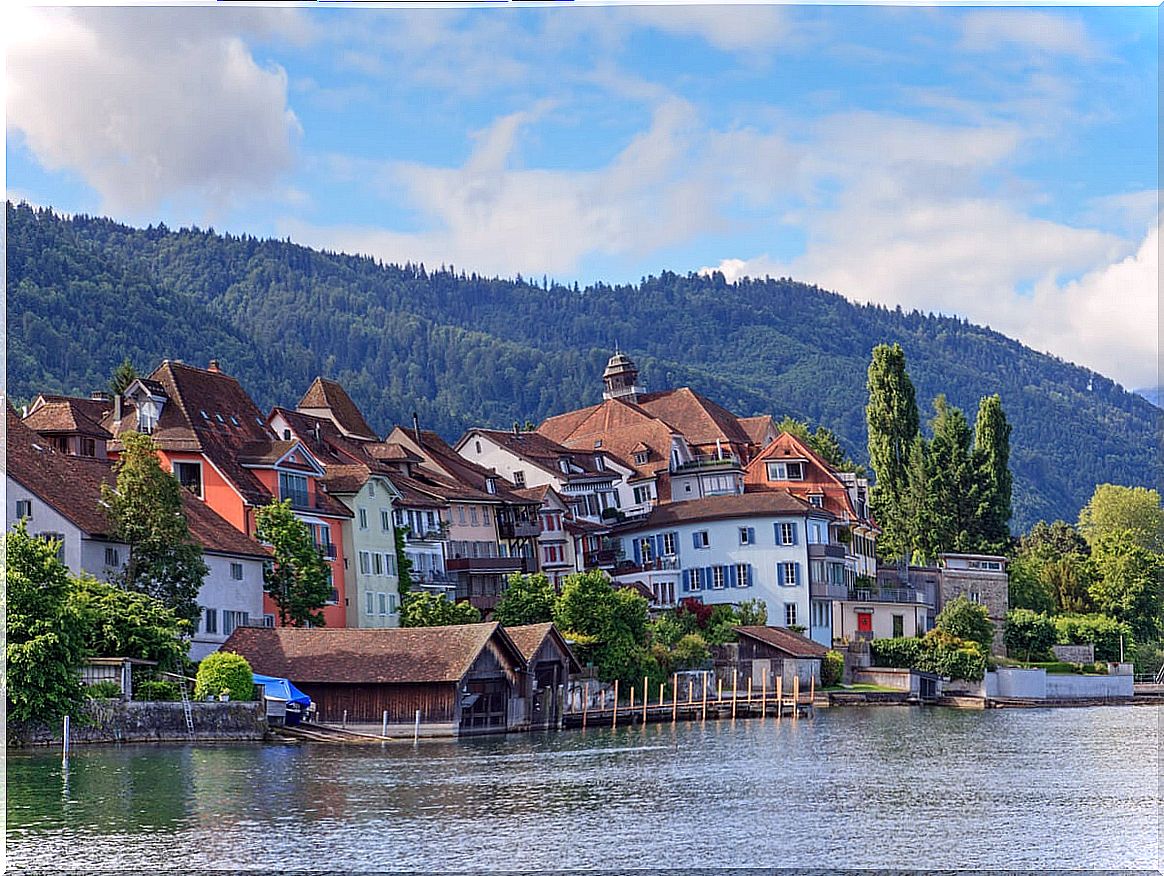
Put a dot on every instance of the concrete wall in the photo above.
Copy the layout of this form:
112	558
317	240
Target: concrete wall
1023	683
1085	687
898	679
118	721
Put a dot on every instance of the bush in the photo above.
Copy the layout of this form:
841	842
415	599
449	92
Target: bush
967	620
224	672
103	690
896	653
1148	657
832	669
1029	634
691	652
937	652
157	691
1098	629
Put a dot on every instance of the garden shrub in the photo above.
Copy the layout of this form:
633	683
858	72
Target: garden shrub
1098	629
936	652
832	668
224	672
896	653
103	690
1028	634
157	691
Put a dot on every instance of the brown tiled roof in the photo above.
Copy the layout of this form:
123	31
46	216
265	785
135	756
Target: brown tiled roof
581	526
535	494
820	477
72	486
370	656
529	638
269	452
329	395
793	644
700	419
622	427
392	451
758	428
414	493
346	479
64	415
724	507
456	477
546	453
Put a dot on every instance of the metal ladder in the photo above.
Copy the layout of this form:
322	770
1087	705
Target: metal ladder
1160	676
187	711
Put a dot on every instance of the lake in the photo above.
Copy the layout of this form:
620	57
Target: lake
852	787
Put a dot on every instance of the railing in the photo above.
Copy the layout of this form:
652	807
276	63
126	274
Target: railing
486	564
518	529
728	460
833	551
658	564
327	551
827	590
889	594
601	558
434	534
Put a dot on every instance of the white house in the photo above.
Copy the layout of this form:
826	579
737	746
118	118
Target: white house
731	548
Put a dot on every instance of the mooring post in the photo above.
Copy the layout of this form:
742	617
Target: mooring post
614	714
796	696
416	728
345	721
632	704
645	698
749	692
764	695
779	697
384	724
735	684
65	734
674	697
703	714
585	702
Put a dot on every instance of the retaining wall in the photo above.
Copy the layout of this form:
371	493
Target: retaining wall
119	721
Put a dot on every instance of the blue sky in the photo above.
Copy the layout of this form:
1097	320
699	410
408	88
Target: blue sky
995	162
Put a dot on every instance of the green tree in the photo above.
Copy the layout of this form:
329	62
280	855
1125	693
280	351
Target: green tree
1127	583
1029	633
1050	540
403	564
691	652
992	476
424	609
614	622
1108	635
952	487
919	526
892	419
1028	587
586	604
297	577
528	599
1069	578
752	613
224	672
119	623
145	512
1134	510
966	620
123	375
45	644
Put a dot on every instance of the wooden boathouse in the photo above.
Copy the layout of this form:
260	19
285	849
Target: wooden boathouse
462	679
551	663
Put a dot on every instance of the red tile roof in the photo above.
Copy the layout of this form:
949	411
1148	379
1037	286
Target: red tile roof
64	415
701	420
818	478
369	656
793	644
530	637
329	395
768	502
546	453
622	428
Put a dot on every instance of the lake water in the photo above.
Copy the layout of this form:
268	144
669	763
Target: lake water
854	787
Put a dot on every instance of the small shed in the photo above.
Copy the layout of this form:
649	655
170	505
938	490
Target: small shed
551	663
119	670
780	653
461	679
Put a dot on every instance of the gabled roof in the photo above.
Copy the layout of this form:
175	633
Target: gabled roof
622	427
545	453
369	656
759	504
793	644
820	477
72	487
700	419
457	477
529	639
759	428
331	396
51	415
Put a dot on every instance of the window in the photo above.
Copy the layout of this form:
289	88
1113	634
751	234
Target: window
645	549
697	579
747	535
59	538
787	574
816	532
23	509
668	544
383	603
146	419
790	614
717	577
293	487
786	471
743	575
363	512
898	626
392	603
385	520
334	598
491	485
701	539
642	494
461	514
642	456
236	571
370	602
189	475
268	620
473	515
975	597
787	533
88	447
564	466
816	500
112	558
233	619
365	563
599	463
210	620
519	478
377	564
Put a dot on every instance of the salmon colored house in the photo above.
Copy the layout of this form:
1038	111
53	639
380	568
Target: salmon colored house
215	440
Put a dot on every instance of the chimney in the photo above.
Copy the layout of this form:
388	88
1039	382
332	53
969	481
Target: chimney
117	410
516	430
416	428
100	395
213	366
318	435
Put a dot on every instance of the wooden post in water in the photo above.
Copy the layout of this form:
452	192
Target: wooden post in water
662	684
703	715
749	691
812	689
764	695
345	725
602	703
384	723
632	704
779	697
416	729
796	696
614	716
585	702
690	684
65	736
674	697
645	699
735	684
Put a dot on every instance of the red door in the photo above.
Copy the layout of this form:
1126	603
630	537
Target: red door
864	622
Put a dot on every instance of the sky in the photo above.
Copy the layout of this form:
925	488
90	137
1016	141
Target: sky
997	163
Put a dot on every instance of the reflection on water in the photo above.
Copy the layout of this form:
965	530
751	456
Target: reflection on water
850	788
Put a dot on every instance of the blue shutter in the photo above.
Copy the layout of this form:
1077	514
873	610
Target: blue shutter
776	532
638	551
695	539
708	582
748	569
686	580
733	576
795	529
659	545
751	535
796	572
780	573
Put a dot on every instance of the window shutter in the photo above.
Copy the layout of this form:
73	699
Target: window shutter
796	572
686	580
708	581
695	539
748	569
733	576
638	551
751	535
776	532
795	528
658	545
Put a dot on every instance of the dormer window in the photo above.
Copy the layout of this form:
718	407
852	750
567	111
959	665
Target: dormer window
642	456
147	419
204	416
599	463
564	465
597	443
816	500
490	485
786	471
519	478
286	434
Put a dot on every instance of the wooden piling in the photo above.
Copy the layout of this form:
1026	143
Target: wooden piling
632	702
703	714
812	689
662	685
749	692
674	697
764	695
585	702
645	699
779	697
614	714
796	696
735	685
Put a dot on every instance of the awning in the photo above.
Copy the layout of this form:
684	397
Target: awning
282	689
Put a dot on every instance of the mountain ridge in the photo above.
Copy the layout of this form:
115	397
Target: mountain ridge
463	350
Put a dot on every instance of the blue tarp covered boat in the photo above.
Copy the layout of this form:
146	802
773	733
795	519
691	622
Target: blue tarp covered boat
285	696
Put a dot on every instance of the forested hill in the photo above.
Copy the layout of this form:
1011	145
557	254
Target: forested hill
461	350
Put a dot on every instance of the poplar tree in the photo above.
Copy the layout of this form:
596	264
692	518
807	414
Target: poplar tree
892	419
145	512
992	469
954	489
918	506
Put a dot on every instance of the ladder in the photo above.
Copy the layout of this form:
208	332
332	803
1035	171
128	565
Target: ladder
1160	676
186	710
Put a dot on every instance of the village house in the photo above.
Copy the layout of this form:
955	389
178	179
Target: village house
550	663
214	439
556	548
58	496
454	681
763	654
728	549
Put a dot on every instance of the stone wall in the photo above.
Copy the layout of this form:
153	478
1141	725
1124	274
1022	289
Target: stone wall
118	721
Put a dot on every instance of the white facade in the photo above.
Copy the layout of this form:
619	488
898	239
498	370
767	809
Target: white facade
80	552
371	577
729	561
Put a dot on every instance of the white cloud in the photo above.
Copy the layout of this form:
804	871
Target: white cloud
152	105
730	27
1005	30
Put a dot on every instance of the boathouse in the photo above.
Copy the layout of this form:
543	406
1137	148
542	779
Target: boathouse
777	653
551	663
461	679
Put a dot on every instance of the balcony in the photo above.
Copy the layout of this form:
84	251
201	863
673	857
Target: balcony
601	558
502	565
518	529
827	590
888	594
436	533
826	551
700	463
327	551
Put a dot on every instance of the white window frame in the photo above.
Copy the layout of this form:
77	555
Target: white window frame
184	462
668	544
787	533
365	563
718	577
236	567
385	520
787	575
26	506
112	558
706	539
745	538
697	579
369	602
790	614
377	563
647	550
363	517
742	575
